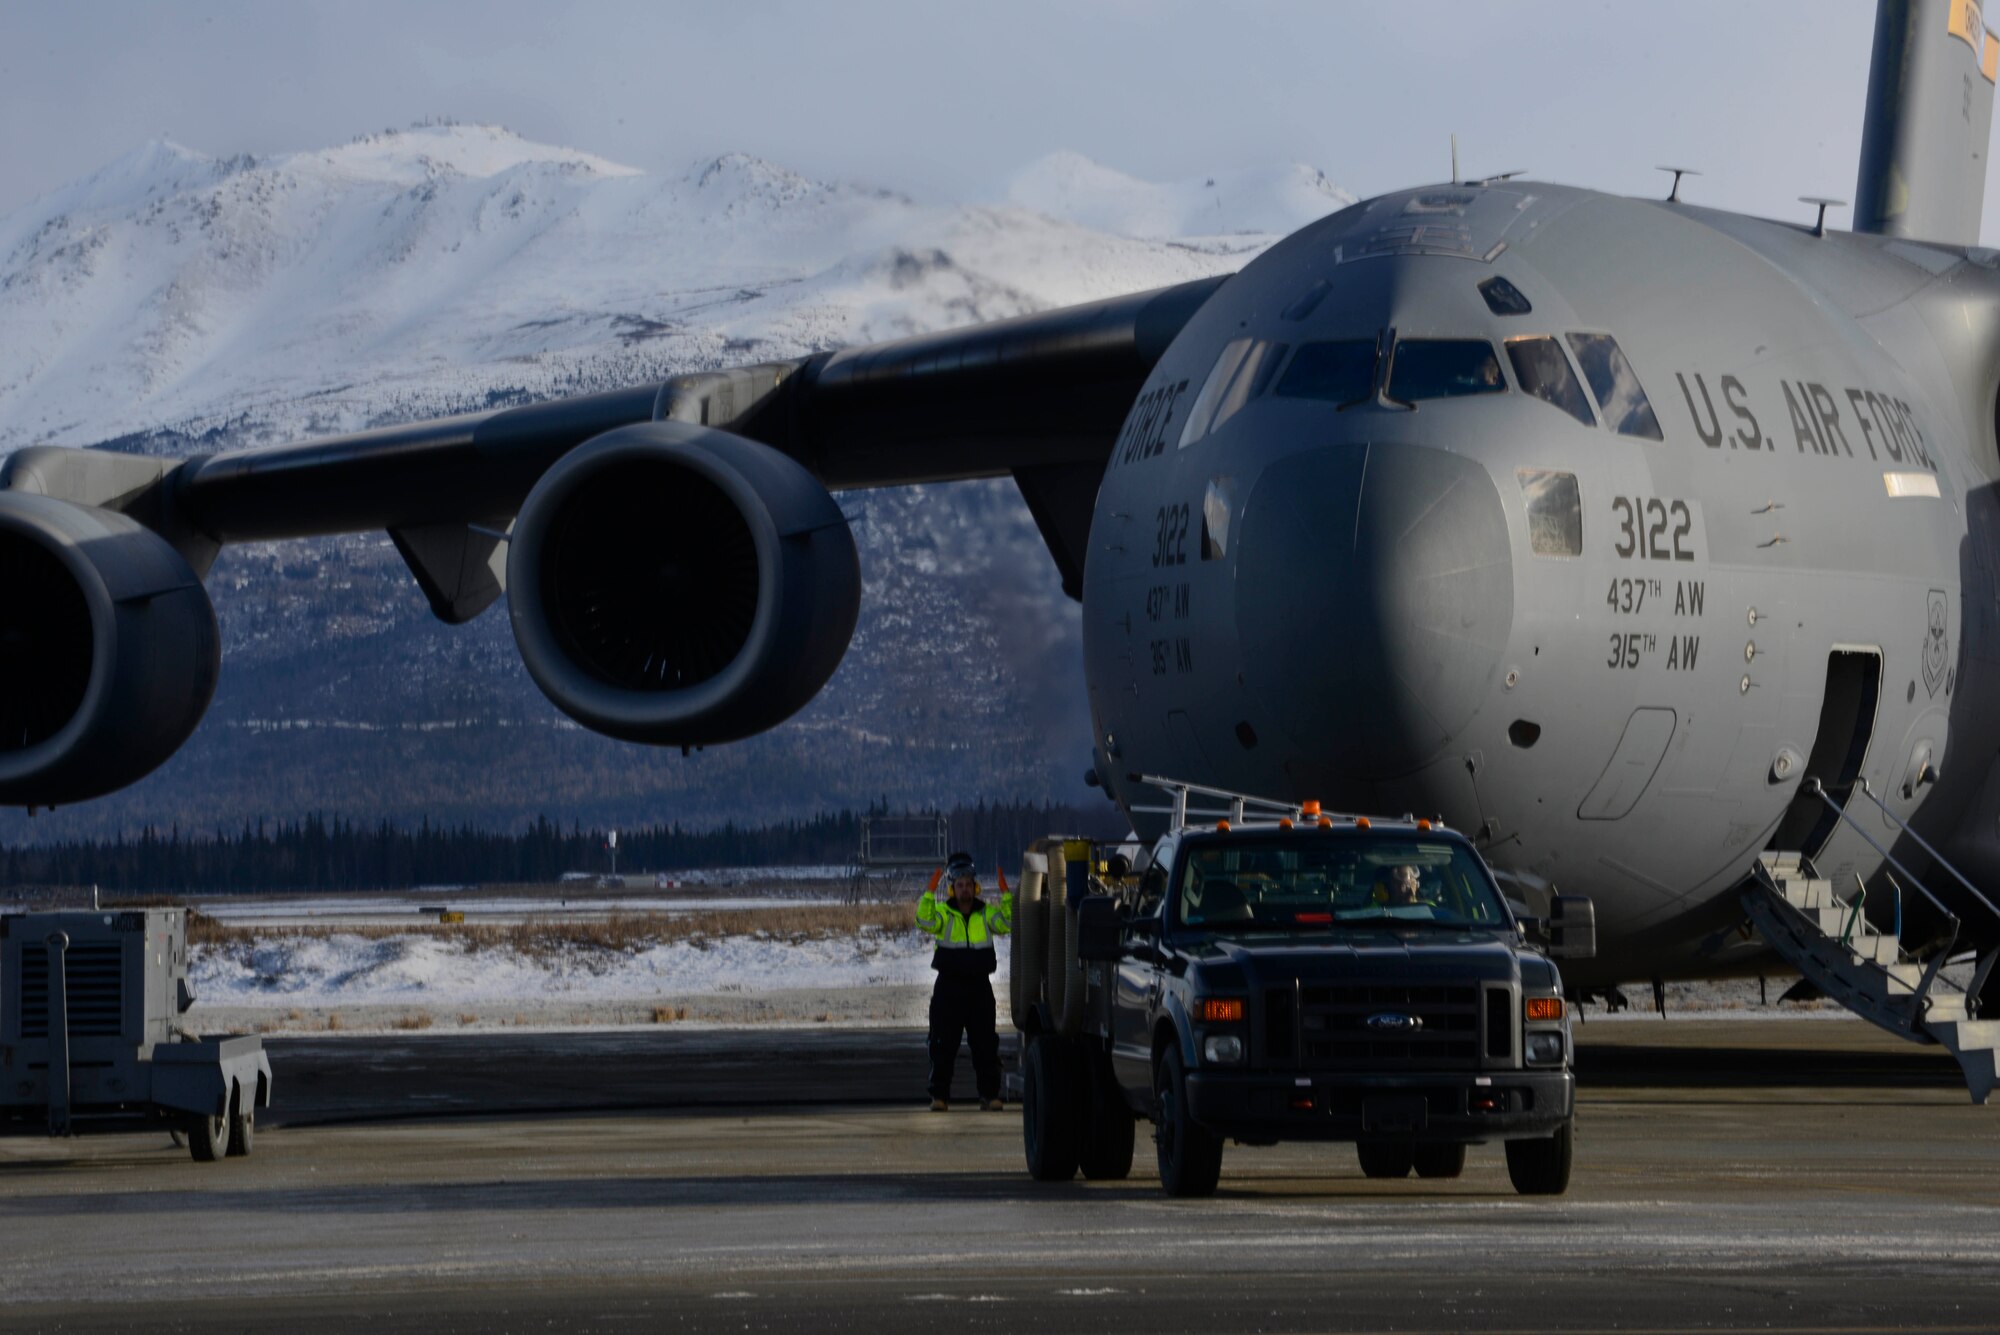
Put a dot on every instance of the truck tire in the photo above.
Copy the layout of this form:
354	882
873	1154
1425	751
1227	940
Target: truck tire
1064	980
1385	1158
1024	961
1439	1160
1541	1167
208	1138
1050	1130
1106	1152
1190	1155
242	1124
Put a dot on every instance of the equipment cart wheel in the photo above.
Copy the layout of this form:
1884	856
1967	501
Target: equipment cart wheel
1541	1167
1049	1109
1439	1160
208	1138
1380	1158
1190	1155
1106	1152
242	1124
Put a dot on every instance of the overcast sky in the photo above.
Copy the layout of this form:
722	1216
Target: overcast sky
947	100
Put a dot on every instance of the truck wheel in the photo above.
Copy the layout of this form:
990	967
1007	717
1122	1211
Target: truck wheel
1439	1160
242	1125
1106	1152
208	1138
1190	1155
1049	1114
1385	1158
1541	1167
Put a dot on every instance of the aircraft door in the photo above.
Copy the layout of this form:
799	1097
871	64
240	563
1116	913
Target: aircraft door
1839	751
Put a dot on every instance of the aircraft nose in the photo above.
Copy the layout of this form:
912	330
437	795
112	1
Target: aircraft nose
1375	595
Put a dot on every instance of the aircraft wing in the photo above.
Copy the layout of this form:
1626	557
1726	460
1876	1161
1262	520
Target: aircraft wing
1041	397
679	574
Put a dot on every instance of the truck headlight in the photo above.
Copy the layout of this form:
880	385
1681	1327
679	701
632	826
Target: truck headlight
1222	1049
1545	1048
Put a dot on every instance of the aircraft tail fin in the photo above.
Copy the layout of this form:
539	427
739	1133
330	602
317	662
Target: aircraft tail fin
1930	113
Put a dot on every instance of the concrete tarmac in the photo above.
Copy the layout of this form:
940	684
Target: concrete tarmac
1801	1175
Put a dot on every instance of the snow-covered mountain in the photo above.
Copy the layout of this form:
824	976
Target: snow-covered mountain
1257	201
174	301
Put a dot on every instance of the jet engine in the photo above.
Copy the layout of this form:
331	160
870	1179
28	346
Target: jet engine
108	650
679	585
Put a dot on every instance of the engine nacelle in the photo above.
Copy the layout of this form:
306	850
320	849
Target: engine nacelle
108	650
679	585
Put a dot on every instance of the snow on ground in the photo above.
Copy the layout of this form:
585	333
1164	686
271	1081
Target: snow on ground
444	971
487	910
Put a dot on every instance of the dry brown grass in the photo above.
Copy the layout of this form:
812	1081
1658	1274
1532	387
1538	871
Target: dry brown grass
333	1020
669	1014
420	1020
623	932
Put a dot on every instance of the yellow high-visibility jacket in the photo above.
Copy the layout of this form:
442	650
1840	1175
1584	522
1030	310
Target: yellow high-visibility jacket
965	940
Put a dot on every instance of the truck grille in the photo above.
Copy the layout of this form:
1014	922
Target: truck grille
94	974
1334	1031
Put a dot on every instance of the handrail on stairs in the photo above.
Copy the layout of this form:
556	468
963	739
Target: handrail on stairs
1924	844
1984	968
1921	999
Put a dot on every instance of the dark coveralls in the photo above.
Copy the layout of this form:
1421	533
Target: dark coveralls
962	999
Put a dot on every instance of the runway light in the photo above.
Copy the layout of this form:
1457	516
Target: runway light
1545	1008
1221	1010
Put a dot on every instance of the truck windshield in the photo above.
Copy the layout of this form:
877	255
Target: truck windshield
1319	880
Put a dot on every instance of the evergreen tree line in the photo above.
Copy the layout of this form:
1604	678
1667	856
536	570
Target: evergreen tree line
320	854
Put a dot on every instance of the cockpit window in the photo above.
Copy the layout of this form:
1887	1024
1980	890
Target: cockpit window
1342	372
1624	404
1443	368
1543	371
1555	512
1503	298
1240	375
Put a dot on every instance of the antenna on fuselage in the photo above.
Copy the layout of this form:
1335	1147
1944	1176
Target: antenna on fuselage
1819	223
1674	195
1454	159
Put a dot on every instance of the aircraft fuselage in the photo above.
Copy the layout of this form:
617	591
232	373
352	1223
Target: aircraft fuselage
1606	603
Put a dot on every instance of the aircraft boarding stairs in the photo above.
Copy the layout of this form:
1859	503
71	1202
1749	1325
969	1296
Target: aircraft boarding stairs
1829	940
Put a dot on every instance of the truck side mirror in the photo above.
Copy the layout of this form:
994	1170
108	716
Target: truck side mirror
1572	927
1098	928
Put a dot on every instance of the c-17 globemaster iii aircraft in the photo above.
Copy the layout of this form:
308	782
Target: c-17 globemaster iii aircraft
1653	545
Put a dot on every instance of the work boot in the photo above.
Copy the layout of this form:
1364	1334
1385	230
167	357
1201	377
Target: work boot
990	1105
939	1105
